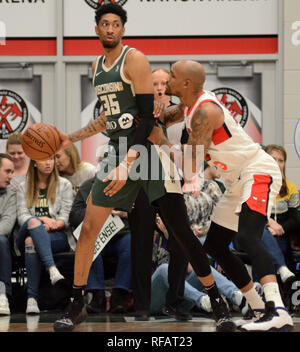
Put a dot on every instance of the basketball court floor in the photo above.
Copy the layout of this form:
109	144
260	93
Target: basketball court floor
115	323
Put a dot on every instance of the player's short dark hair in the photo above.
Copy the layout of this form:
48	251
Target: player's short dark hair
111	8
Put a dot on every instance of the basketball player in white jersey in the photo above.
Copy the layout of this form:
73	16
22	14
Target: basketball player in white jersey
252	180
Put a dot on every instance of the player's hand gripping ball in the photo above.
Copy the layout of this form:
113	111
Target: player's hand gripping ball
40	141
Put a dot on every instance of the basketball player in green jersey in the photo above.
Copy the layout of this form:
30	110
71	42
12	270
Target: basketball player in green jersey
123	83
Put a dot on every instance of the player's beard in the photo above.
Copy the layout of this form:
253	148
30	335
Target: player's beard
110	45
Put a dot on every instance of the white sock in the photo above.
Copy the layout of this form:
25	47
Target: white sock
55	275
272	293
205	303
285	273
238	297
254	299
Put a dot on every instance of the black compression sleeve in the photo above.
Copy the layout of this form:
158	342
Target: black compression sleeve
145	104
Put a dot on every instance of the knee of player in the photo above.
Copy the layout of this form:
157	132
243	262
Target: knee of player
88	231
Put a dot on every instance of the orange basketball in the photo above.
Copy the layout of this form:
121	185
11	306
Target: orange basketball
40	141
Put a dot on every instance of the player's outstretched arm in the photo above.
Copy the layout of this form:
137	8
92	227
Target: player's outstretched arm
96	126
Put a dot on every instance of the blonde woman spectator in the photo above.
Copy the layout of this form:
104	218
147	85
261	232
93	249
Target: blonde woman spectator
44	203
283	224
15	150
72	168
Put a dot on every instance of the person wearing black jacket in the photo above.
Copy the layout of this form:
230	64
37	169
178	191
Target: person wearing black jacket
142	222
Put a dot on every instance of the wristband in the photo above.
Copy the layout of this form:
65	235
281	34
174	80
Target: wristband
125	164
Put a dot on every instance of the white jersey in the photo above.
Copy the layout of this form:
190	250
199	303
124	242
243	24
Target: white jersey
251	175
231	148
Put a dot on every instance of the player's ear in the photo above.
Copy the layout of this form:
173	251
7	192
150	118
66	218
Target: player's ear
186	83
97	30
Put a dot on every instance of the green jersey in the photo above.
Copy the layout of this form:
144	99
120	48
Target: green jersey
42	207
117	96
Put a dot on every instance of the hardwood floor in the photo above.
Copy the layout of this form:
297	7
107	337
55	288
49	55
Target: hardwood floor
110	323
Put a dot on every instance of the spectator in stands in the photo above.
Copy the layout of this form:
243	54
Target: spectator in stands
142	226
160	77
200	207
21	162
194	293
8	211
284	219
72	168
175	131
199	210
284	222
44	203
213	173
118	246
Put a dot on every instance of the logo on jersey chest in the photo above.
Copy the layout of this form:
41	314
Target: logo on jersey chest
235	103
95	4
126	121
13	113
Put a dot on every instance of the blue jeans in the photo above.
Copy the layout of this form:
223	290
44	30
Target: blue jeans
276	246
117	247
5	264
193	289
45	243
159	289
226	287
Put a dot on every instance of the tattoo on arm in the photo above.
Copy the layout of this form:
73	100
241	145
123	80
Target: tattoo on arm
96	126
173	113
202	130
